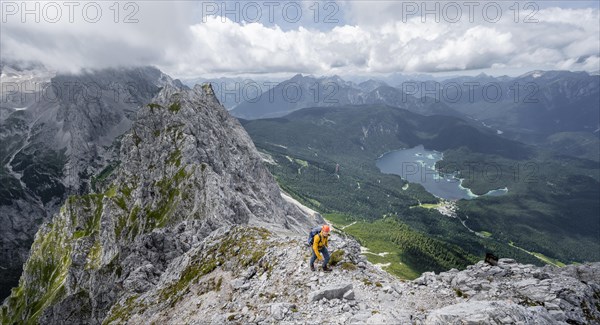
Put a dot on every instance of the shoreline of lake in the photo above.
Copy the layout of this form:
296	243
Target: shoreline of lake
417	164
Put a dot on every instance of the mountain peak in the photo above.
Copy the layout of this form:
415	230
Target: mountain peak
554	74
208	91
533	74
297	77
371	84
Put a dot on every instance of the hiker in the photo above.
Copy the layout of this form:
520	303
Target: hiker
319	247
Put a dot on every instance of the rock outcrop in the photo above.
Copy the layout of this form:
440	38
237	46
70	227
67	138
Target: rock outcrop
250	275
185	169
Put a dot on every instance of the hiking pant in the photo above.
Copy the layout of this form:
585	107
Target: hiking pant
323	252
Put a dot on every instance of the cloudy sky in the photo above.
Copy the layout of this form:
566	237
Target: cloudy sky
214	38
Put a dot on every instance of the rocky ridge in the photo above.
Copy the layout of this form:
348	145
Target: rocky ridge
185	169
252	276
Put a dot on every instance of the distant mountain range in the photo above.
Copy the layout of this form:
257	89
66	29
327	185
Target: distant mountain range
376	129
307	91
232	91
537	107
534	105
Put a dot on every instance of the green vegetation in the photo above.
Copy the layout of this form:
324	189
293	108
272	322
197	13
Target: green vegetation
193	273
120	311
175	107
47	269
314	202
85	213
460	294
348	266
79	221
552	206
93	258
338	219
126	190
120	202
549	260
136	220
101	178
381	195
484	233
430	206
244	249
78	225
546	192
169	190
111	192
408	252
336	257
136	139
243	246
540	256
175	158
154	106
579	144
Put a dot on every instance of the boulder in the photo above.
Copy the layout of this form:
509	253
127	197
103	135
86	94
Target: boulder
489	312
349	295
331	292
279	310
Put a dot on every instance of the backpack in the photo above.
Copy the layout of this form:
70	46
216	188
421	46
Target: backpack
312	235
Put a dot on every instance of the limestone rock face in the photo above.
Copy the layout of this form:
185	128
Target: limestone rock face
489	312
185	169
249	275
58	132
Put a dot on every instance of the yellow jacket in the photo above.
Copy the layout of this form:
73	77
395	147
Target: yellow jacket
319	241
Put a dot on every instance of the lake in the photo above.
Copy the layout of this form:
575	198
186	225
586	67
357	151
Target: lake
417	165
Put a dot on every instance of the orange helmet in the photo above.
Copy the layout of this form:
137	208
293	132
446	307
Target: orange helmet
325	228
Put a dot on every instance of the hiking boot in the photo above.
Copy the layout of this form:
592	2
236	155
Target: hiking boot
326	269
312	267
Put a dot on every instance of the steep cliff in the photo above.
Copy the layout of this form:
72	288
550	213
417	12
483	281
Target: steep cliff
58	132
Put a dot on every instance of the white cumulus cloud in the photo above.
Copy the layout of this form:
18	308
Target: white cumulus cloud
372	38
